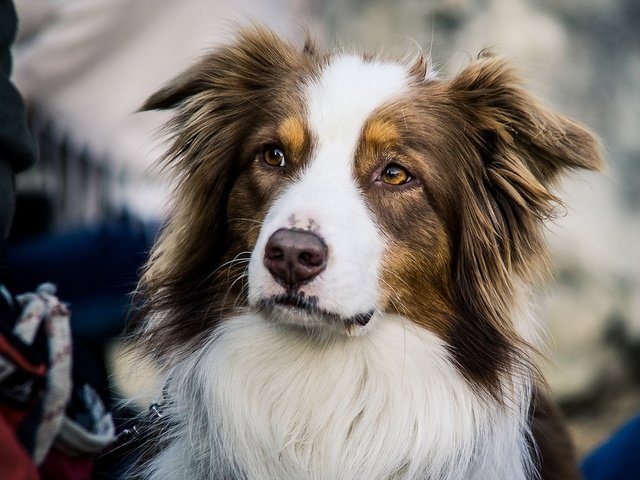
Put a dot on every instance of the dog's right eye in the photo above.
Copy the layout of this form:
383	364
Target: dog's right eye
273	156
395	175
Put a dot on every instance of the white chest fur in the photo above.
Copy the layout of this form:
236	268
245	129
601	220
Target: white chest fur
263	401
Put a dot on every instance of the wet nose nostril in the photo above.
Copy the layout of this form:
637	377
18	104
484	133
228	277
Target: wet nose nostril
295	256
311	259
273	252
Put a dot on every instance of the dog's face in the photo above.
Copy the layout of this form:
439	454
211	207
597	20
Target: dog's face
325	190
340	185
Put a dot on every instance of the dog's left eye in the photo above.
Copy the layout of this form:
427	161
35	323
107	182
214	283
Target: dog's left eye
274	156
394	174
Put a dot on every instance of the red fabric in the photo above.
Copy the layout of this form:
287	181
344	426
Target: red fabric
11	416
15	464
60	466
14	416
7	350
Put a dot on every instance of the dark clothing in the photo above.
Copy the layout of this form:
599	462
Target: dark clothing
16	143
17	148
95	269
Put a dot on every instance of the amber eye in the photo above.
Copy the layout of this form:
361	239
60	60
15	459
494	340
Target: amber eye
395	175
274	156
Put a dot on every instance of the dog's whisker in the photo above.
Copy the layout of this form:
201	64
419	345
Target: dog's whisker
227	266
240	277
241	219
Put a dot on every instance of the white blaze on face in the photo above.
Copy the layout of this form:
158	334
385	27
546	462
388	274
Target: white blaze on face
326	198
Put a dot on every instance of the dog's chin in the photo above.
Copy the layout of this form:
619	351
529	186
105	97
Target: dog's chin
299	311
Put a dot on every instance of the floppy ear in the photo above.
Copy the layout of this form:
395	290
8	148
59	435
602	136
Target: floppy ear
214	104
247	66
521	149
516	125
524	147
188	84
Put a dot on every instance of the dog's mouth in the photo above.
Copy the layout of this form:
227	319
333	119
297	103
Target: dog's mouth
297	302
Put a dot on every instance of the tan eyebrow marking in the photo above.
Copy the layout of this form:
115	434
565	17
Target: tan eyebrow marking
380	132
293	133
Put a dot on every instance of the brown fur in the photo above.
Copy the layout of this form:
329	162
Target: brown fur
520	150
558	459
462	236
214	221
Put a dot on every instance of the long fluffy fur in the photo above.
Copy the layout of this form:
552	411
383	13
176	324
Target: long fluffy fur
337	409
441	383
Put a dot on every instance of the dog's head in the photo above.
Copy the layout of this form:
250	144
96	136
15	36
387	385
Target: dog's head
324	190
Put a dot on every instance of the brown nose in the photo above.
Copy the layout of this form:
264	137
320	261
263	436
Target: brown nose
295	256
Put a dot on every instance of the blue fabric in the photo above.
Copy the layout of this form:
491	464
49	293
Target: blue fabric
618	458
94	268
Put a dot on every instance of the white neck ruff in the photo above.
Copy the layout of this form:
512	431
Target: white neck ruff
270	402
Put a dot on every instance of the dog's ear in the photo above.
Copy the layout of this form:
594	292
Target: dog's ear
184	86
247	66
521	148
517	128
214	105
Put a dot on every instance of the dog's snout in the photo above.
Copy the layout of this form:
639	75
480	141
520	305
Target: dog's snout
295	256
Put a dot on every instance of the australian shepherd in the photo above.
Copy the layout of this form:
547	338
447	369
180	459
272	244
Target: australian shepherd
341	290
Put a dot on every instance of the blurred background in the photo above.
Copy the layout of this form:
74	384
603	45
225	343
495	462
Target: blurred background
91	206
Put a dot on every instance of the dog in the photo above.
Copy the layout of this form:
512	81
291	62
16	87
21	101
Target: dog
341	290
